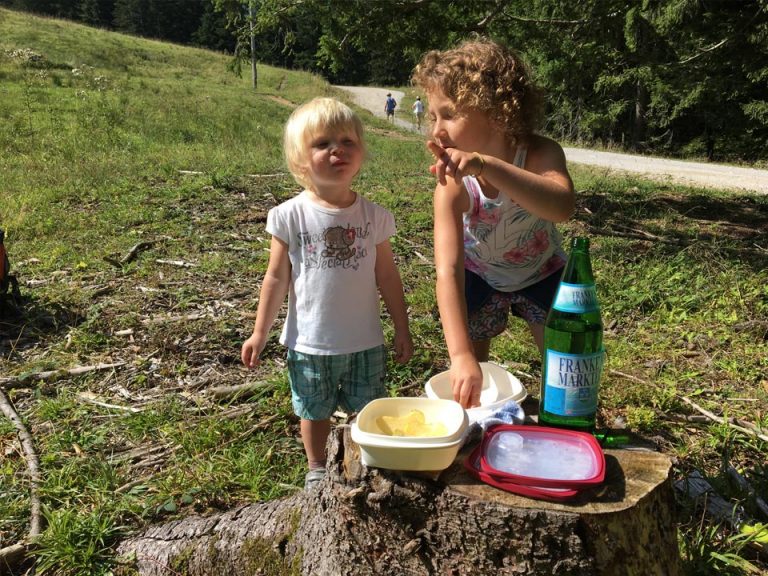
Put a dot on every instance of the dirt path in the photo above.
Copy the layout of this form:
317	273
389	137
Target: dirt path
373	99
663	169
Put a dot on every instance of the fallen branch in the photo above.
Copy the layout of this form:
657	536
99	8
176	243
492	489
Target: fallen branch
698	489
12	556
91	399
18	552
133	252
198	173
237	391
138	453
181	318
422	257
275	175
720	420
414	245
11	382
258	426
740	425
745	486
643	233
648	237
179	263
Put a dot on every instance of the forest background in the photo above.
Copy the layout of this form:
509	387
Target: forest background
685	78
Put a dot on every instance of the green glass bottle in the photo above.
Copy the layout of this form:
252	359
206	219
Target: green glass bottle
573	347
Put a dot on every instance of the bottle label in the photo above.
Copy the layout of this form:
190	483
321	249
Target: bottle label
571	383
576	298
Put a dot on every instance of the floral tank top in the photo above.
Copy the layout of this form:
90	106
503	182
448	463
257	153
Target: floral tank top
506	245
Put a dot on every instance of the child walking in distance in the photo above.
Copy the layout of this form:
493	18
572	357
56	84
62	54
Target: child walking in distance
500	190
389	107
330	253
418	111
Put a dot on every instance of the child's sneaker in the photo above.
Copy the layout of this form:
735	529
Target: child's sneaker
313	477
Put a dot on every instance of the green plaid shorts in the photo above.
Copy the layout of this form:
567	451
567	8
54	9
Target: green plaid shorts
321	384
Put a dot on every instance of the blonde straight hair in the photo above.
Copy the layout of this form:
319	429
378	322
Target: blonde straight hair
309	119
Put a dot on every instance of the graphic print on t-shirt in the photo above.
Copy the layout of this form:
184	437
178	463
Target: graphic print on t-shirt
338	241
339	251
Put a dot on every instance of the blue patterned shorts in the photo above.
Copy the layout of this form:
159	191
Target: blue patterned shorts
488	309
321	384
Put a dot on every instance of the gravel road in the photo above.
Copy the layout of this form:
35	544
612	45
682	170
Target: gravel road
706	175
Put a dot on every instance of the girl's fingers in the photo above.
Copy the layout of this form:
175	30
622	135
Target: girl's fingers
437	151
443	165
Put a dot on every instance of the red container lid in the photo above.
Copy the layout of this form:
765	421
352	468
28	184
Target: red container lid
538	461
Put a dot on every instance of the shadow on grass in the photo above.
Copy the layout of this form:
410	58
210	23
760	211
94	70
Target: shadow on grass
735	227
25	323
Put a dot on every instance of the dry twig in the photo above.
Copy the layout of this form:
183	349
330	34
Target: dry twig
238	390
179	263
90	398
133	252
10	382
740	425
721	420
17	552
181	318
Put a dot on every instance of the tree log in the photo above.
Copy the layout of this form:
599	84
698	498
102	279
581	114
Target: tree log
363	521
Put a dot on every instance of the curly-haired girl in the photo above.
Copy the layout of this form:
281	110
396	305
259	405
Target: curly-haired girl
500	190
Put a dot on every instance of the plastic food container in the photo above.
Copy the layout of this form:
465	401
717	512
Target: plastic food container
499	387
538	461
415	453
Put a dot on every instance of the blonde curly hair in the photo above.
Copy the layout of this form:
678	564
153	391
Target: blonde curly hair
483	75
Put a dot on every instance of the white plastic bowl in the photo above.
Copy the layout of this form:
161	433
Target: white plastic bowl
507	387
410	452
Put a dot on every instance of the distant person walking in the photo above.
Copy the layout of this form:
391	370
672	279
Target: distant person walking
389	107
418	111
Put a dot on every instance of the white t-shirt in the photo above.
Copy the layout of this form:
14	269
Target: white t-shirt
418	108
333	301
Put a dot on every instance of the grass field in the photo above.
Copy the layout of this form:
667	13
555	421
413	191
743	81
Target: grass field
135	178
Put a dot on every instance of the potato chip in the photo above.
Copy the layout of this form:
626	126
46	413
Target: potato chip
412	424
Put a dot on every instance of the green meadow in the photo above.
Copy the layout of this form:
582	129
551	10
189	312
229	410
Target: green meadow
135	179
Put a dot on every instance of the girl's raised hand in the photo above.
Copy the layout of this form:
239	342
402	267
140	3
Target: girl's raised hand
454	162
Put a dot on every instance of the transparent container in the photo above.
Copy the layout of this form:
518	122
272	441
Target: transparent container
538	461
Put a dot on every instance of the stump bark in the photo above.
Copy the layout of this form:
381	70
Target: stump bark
362	521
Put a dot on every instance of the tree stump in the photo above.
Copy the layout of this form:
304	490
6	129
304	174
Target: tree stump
362	521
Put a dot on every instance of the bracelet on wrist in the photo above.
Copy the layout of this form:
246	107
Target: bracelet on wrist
482	163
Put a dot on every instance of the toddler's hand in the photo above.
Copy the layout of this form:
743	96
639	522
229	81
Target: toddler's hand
251	350
403	347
